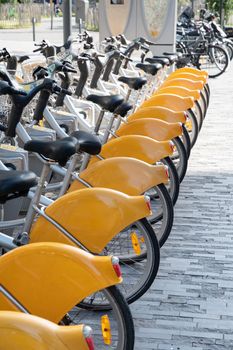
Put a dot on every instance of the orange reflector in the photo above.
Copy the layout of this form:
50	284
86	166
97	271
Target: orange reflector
106	329
41	123
166	171
188	125
173	147
135	243
148	203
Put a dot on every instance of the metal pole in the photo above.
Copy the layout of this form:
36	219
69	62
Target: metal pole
221	13
51	13
192	5
67	19
80	25
34	28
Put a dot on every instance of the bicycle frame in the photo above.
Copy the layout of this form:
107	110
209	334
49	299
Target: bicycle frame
126	210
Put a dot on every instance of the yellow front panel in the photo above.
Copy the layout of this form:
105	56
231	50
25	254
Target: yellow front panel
158	112
6	304
93	216
170	101
131	176
23	331
135	146
154	128
187	83
49	279
192	70
187	75
180	91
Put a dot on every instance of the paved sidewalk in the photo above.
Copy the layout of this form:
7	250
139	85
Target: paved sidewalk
18	40
190	305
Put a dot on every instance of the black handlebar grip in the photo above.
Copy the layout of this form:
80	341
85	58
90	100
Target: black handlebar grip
37	50
66	92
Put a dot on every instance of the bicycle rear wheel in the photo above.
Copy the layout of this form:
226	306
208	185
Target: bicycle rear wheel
215	62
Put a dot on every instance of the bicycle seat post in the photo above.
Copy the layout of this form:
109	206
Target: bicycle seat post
36	198
68	175
108	129
96	130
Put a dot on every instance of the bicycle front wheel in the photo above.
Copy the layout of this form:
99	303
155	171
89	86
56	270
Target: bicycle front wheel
112	328
138	250
180	158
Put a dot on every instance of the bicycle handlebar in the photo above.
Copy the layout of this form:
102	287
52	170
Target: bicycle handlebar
6	89
58	90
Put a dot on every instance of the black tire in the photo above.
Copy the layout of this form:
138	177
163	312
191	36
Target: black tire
163	217
174	179
199	113
186	140
214	52
229	47
207	88
195	127
123	321
181	159
204	101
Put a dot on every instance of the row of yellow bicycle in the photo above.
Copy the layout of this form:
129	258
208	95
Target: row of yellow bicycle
87	244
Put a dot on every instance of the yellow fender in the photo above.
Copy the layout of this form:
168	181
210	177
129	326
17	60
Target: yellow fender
154	128
136	146
49	279
157	112
170	101
128	175
193	71
92	216
187	75
23	331
180	91
187	83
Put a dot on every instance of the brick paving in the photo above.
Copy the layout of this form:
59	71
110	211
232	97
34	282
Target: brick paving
190	305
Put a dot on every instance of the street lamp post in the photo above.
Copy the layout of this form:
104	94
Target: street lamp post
67	19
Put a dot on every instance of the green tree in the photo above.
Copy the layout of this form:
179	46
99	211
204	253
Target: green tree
214	6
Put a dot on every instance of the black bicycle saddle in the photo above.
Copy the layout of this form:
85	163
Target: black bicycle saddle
15	183
123	109
151	69
87	142
60	151
109	103
133	83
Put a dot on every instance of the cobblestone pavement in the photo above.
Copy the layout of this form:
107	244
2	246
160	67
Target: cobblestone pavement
190	305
